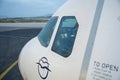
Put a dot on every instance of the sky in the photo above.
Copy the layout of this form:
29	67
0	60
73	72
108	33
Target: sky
28	8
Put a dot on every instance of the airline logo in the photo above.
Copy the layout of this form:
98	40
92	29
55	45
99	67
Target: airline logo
43	67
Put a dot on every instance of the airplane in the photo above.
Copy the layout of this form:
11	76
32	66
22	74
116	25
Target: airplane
80	42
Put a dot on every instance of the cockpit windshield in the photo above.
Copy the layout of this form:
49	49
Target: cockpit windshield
65	36
46	33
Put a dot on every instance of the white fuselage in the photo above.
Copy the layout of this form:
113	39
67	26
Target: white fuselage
95	51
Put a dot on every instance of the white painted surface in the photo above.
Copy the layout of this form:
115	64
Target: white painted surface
106	47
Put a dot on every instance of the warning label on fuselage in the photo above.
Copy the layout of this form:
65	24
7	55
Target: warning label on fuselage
103	71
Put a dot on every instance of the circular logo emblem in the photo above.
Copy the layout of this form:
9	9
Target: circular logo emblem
43	68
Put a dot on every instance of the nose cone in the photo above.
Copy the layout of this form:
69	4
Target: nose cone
28	59
24	59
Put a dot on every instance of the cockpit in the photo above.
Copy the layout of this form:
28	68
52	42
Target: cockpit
65	36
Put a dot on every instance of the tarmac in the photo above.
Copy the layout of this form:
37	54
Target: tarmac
11	43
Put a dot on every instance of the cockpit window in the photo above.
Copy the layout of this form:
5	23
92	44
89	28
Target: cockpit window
65	37
46	33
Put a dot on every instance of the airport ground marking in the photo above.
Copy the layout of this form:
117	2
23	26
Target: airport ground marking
8	69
